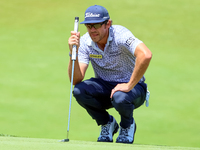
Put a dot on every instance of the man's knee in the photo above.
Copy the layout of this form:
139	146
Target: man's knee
121	103
120	97
78	90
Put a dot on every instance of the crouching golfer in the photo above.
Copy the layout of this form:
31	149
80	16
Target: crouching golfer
119	61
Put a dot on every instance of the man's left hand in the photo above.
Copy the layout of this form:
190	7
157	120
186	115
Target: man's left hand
120	87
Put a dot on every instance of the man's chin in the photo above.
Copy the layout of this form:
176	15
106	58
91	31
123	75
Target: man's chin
95	40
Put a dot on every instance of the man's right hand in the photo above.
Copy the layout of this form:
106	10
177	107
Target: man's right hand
74	39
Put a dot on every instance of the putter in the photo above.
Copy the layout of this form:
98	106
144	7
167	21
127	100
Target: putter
72	76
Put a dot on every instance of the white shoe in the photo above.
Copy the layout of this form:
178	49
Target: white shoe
127	135
108	130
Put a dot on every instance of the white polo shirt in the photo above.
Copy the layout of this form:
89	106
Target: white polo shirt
116	63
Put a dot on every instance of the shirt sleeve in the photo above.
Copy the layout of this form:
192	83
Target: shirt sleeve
129	41
83	55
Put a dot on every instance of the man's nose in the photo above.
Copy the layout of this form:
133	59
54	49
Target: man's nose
93	28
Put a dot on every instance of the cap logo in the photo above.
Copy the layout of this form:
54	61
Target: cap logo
89	14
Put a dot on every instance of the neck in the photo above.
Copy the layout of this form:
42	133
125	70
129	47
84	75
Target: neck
101	44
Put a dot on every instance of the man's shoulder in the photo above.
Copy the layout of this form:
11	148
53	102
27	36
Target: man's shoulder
118	28
121	34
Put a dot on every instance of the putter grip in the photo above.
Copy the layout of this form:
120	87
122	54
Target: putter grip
76	30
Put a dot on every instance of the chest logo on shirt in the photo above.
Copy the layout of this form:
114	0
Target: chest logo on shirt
95	56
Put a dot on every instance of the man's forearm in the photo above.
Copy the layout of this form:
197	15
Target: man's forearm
141	65
78	77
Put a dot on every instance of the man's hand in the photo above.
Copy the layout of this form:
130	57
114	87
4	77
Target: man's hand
124	87
74	40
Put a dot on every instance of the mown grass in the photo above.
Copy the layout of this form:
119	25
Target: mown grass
11	143
34	85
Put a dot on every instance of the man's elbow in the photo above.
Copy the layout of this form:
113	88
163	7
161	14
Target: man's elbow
77	81
148	56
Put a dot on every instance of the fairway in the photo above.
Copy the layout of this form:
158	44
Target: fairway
35	88
16	143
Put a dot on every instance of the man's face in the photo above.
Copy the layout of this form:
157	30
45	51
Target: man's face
97	31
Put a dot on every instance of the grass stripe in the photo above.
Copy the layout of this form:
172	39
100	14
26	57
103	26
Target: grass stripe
19	143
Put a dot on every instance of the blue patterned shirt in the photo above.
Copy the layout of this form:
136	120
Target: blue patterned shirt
116	63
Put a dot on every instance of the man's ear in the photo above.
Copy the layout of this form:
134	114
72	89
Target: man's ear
109	23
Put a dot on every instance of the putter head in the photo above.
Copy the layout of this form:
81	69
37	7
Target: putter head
64	140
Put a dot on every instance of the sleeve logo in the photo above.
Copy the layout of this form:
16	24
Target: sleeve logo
129	41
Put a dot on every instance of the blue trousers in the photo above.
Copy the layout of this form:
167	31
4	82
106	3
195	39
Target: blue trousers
94	96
